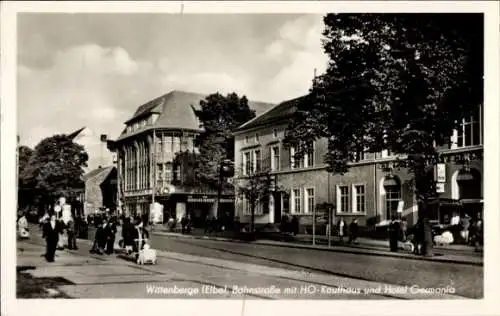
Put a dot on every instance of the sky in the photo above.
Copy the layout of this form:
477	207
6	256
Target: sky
94	70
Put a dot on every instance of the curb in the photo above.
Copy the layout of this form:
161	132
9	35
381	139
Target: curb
359	250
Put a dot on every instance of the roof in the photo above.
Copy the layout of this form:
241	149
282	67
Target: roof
76	133
176	111
99	172
281	111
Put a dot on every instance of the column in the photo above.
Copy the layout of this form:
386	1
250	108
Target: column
136	165
125	170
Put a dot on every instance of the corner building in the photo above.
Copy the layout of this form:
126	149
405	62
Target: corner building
372	189
146	149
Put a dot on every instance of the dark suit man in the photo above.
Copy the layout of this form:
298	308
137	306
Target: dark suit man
51	231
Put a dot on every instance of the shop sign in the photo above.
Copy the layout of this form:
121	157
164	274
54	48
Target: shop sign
441	173
401	204
440	188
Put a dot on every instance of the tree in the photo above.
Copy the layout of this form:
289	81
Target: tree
24	155
219	116
253	188
55	169
400	82
185	162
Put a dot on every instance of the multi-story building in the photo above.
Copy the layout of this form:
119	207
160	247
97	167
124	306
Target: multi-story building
372	191
153	136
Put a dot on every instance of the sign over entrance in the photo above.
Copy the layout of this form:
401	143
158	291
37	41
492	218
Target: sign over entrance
401	204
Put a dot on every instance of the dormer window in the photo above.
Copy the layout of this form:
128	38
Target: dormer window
154	117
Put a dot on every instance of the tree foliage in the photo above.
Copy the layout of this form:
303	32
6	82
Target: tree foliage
255	187
394	81
55	169
219	116
186	162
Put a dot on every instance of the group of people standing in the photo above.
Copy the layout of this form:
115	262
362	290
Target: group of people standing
105	236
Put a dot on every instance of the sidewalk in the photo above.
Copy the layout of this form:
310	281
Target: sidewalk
366	246
78	274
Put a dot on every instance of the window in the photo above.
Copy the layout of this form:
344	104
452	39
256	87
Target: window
246	139
154	118
247	164
256	137
143	123
257	160
296	201
275	133
359	155
168	173
295	162
176	144
275	158
343	198
359	203
307	160
247	209
470	131
309	199
310	155
392	198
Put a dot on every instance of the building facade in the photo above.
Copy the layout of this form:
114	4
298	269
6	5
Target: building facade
157	132
100	190
372	191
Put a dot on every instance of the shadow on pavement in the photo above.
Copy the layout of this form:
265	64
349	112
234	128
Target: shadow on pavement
28	286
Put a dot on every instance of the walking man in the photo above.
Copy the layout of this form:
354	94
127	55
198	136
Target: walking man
51	231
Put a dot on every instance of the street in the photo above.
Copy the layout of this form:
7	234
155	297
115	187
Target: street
191	268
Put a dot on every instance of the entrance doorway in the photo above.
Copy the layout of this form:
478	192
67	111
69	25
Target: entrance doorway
277	207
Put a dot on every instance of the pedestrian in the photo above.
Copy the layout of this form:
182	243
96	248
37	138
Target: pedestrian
110	235
71	231
427	249
394	233
99	240
51	231
404	229
22	226
478	233
184	223
465	225
127	235
418	236
294	223
353	231
341	227
140	235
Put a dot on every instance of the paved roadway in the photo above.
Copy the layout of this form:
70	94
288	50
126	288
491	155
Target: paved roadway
194	263
466	279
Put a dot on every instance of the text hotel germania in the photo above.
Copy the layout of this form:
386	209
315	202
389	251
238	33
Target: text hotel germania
304	290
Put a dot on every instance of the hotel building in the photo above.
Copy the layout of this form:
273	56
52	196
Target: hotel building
373	188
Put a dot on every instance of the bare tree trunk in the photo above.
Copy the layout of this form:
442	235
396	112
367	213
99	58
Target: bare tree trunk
252	219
